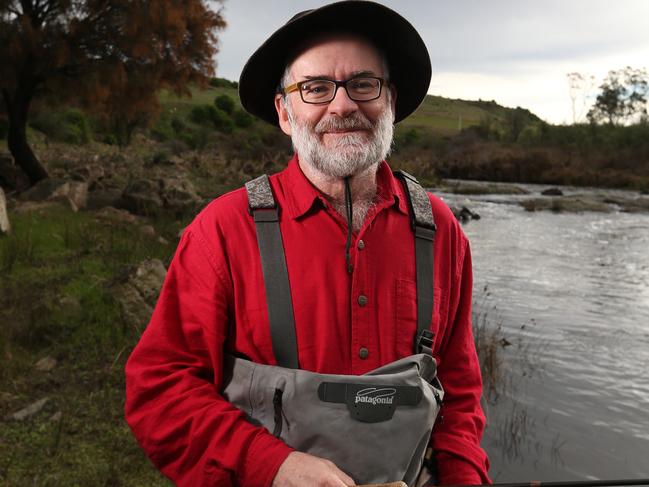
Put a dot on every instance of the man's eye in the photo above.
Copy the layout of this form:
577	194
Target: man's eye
316	88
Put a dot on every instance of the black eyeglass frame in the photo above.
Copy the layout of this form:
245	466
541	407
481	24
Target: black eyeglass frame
338	83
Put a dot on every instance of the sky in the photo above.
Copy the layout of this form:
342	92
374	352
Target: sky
517	53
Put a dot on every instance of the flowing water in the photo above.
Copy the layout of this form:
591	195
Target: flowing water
571	292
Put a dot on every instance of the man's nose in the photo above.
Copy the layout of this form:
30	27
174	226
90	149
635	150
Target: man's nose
342	105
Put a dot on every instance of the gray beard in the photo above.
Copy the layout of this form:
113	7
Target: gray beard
351	154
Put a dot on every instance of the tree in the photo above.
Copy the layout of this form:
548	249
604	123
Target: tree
623	97
581	87
111	56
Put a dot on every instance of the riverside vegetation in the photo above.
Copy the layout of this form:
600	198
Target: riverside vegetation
66	328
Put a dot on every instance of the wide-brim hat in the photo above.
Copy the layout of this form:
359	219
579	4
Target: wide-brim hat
406	53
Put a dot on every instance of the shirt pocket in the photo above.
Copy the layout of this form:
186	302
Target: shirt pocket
406	315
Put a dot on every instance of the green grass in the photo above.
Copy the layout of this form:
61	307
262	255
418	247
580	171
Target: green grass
54	254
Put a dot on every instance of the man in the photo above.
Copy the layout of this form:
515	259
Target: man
335	79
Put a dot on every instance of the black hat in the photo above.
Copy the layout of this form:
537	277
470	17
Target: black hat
406	53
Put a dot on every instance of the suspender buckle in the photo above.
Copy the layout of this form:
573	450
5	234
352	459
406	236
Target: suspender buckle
424	342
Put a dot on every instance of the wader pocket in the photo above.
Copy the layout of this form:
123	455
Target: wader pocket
277	408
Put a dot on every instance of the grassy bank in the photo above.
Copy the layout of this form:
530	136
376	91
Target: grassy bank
58	273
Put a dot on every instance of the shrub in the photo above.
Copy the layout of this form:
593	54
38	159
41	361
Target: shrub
242	119
225	103
70	125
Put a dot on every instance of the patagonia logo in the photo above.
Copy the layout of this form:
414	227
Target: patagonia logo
375	396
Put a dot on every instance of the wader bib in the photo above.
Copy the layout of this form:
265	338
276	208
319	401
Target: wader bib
376	426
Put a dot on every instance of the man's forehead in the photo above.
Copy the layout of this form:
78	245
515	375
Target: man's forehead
348	47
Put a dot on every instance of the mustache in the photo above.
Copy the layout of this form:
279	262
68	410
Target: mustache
355	121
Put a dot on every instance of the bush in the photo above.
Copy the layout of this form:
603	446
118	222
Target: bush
242	119
223	83
70	125
225	103
209	114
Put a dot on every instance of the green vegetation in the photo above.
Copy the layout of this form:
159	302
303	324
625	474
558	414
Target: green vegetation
58	269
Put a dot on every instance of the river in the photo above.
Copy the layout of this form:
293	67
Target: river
571	294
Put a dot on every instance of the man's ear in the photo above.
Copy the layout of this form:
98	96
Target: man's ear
393	98
282	114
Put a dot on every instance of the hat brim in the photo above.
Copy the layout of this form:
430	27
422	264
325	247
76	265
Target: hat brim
406	53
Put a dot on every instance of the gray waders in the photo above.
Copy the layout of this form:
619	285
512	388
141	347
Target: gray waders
376	426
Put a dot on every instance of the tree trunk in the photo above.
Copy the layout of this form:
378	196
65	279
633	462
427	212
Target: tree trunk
17	110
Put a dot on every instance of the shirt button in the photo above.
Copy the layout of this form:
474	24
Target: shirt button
363	353
360	245
362	300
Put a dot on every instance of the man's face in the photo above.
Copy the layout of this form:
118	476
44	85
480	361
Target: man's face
342	137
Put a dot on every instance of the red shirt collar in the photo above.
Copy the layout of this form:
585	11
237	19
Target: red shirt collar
301	195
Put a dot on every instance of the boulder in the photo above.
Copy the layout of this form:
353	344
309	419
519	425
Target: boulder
142	197
90	173
552	192
138	294
101	198
178	195
74	193
5	225
147	197
464	214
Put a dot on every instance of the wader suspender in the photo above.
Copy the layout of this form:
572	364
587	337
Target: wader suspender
263	208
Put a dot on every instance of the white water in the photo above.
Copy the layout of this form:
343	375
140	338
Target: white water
578	284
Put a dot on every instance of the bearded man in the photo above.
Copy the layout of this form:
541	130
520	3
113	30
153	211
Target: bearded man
278	348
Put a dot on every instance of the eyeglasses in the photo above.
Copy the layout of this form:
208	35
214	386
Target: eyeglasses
317	91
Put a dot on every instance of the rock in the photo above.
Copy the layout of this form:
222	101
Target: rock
90	173
552	192
116	215
464	215
46	364
36	206
178	195
56	417
163	241
137	296
30	410
146	197
70	305
101	198
74	193
5	225
142	197
147	230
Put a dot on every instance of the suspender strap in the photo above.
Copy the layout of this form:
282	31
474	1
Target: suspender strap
423	225
273	262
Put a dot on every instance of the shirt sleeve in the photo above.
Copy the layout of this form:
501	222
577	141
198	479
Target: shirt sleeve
458	431
174	377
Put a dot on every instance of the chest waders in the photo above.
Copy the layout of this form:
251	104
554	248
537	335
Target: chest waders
376	426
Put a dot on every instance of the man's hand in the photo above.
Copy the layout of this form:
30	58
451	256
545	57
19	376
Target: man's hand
304	470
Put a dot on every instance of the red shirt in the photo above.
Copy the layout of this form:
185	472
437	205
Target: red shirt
213	298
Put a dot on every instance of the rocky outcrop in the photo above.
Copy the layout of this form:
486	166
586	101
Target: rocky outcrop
72	193
138	294
5	225
147	197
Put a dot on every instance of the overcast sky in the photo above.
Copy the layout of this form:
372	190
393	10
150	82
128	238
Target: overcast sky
515	52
